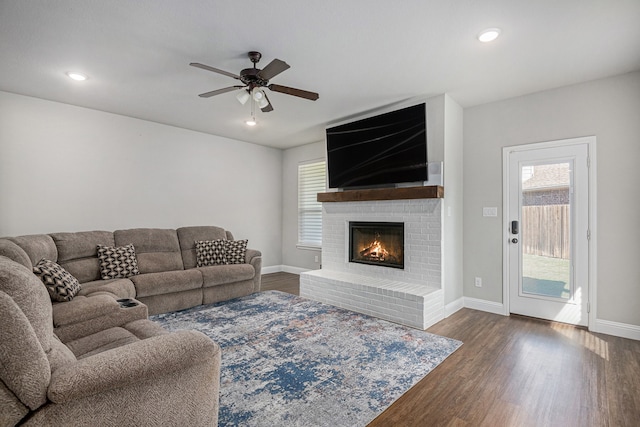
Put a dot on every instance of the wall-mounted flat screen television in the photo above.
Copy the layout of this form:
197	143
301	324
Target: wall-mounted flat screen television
387	149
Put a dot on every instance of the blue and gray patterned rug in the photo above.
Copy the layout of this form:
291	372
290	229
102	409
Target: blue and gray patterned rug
290	361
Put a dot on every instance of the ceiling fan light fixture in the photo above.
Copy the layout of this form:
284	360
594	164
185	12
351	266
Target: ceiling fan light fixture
79	77
258	94
489	35
251	122
243	96
262	103
260	98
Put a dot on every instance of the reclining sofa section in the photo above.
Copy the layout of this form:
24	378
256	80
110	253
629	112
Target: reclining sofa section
131	372
169	279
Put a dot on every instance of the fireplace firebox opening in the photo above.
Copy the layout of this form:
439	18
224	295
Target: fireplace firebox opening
377	243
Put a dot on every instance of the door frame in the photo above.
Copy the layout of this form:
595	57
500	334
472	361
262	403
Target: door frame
592	218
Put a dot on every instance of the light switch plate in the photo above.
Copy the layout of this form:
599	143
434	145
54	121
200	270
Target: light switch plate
489	211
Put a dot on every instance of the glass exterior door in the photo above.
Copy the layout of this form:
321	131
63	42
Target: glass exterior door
548	227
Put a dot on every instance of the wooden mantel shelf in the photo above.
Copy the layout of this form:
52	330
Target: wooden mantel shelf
428	192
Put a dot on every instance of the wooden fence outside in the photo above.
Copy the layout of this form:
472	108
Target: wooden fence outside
545	231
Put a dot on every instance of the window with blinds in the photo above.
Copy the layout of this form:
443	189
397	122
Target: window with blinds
311	181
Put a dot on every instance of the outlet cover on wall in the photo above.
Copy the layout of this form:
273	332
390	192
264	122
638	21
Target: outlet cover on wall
478	282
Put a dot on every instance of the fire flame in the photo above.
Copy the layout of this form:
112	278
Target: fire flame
375	251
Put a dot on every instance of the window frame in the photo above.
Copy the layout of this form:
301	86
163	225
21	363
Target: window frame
308	212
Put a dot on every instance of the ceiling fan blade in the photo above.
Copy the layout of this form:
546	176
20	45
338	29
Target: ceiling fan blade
219	91
269	107
295	92
272	69
215	70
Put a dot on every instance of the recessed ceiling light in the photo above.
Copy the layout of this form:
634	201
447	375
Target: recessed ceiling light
489	35
76	76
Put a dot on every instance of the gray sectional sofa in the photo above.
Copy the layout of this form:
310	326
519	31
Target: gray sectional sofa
169	279
135	373
96	359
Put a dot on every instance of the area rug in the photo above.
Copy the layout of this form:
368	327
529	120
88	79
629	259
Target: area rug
290	361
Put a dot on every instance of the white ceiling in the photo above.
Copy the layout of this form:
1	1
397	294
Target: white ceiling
357	54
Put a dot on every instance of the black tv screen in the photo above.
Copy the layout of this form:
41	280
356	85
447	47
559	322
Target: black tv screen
382	150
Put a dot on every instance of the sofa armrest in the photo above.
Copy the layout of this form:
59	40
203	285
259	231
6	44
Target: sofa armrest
254	257
86	315
251	254
124	366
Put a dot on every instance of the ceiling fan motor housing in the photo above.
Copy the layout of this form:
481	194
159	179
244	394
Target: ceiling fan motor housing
249	76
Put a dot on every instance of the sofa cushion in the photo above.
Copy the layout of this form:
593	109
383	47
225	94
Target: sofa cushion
61	285
118	262
222	274
236	251
174	301
144	329
32	298
214	294
211	252
101	341
115	337
14	252
120	288
83	308
166	282
13	410
157	249
24	367
37	246
188	237
78	252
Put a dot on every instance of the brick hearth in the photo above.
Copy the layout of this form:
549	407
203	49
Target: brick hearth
411	296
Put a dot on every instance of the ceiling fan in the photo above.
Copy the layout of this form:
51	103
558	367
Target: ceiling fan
254	79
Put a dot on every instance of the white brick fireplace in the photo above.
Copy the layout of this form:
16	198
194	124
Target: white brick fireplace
412	296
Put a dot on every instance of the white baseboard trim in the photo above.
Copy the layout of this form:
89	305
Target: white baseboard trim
294	270
283	268
453	306
623	330
272	269
617	329
484	305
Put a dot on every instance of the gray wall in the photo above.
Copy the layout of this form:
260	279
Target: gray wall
293	258
66	168
610	110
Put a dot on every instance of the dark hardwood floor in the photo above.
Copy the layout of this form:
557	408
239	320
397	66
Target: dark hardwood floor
285	282
517	371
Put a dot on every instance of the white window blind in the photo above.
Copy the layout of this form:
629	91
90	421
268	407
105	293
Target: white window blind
311	181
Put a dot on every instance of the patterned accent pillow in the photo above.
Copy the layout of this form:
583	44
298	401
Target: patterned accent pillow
210	252
118	262
236	251
62	286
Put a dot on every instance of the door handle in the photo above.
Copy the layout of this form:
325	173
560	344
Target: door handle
514	227
514	240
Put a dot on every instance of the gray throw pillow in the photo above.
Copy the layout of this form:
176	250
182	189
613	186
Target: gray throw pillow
236	251
210	252
62	286
117	262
